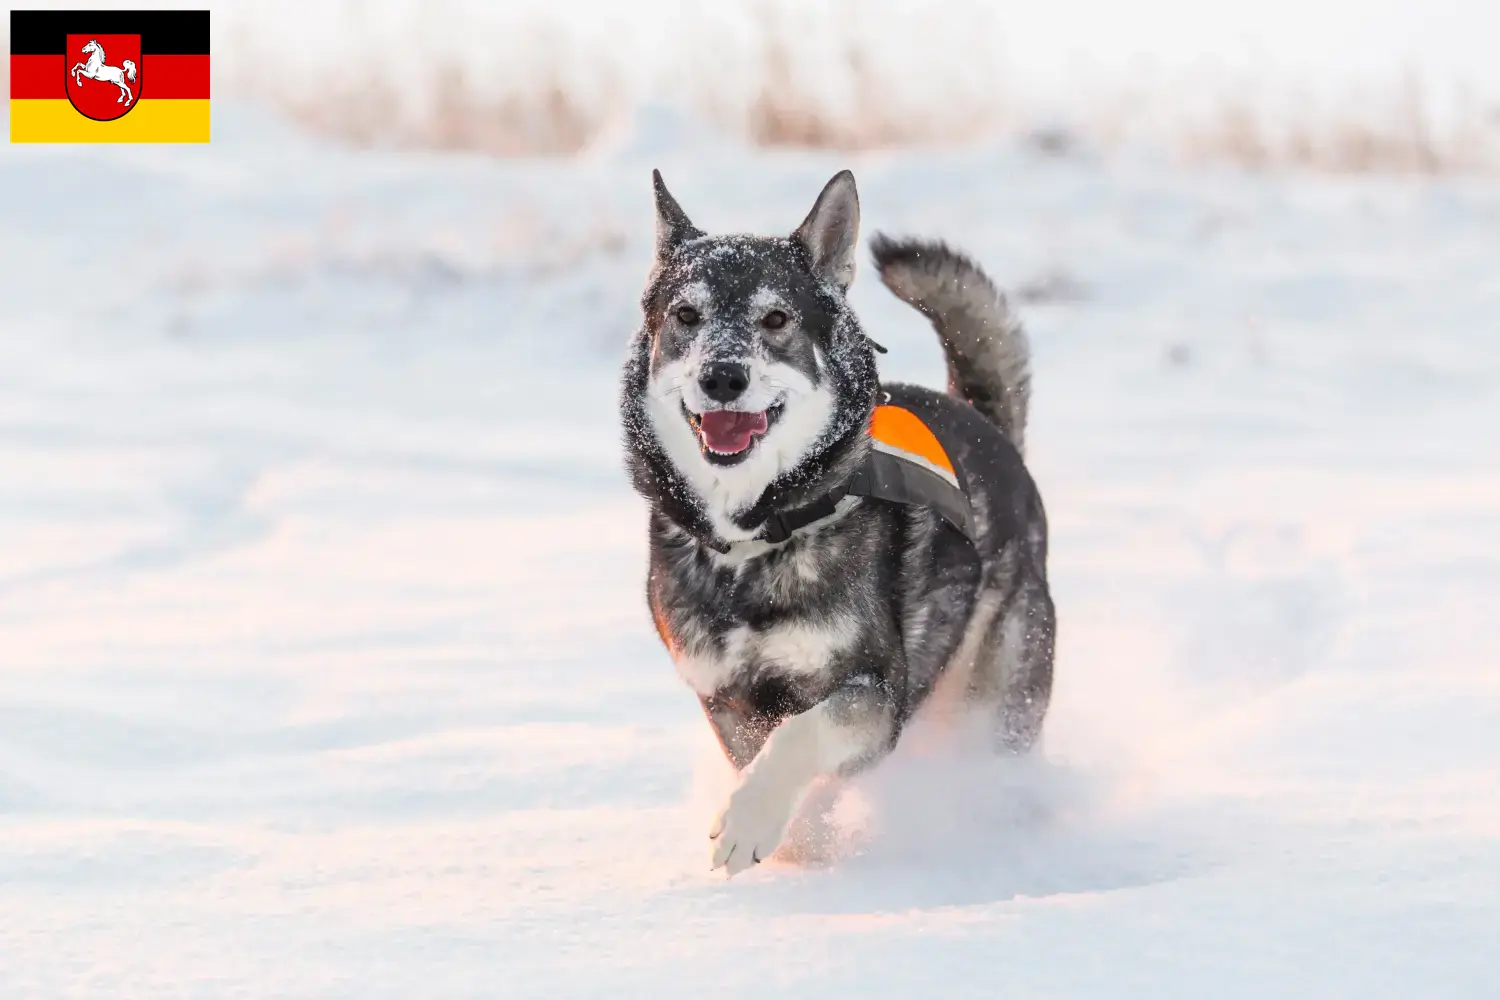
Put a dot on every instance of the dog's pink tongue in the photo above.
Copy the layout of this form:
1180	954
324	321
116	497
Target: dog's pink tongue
729	432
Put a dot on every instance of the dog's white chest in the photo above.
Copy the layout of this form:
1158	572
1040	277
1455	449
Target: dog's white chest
801	649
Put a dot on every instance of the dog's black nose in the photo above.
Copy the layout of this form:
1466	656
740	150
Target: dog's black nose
724	381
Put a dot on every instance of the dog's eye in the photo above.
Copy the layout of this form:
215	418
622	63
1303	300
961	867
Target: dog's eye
773	320
687	316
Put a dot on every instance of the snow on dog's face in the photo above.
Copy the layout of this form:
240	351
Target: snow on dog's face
755	362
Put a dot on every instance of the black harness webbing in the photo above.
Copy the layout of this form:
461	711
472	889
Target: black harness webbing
883	477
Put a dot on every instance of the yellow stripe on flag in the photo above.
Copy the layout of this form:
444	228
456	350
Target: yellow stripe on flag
148	121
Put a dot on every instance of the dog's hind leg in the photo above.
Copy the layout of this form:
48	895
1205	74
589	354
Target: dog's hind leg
850	729
1027	643
1012	670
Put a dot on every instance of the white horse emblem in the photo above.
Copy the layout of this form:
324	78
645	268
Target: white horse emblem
95	69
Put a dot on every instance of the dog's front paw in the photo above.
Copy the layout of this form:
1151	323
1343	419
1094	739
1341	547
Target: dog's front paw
751	826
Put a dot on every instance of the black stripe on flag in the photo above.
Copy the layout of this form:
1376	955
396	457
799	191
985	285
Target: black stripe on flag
163	32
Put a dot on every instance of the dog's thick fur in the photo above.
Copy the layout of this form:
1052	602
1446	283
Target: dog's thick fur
810	655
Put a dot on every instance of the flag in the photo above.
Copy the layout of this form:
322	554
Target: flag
109	76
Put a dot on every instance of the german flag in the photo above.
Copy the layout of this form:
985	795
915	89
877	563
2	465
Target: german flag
109	76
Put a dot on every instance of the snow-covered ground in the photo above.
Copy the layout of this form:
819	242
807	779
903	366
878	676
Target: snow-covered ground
325	670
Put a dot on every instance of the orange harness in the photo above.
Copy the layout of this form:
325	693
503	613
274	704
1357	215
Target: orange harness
899	432
907	464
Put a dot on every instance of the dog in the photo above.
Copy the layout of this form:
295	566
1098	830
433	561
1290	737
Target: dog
810	595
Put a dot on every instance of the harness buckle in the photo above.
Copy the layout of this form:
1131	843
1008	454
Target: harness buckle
776	530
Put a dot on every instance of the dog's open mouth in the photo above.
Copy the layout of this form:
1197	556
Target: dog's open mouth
727	435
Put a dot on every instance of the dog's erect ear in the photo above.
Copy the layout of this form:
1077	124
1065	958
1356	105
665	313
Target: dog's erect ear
831	230
672	224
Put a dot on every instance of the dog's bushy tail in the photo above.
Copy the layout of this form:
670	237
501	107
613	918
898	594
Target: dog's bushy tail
989	358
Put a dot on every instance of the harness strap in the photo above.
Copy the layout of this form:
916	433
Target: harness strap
780	526
906	464
884	476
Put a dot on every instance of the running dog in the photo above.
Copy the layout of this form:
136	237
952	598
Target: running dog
824	547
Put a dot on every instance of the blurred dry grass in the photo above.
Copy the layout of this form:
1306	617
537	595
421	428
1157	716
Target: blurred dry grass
543	112
1394	132
546	118
788	108
782	113
847	99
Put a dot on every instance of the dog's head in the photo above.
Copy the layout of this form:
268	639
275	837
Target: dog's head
750	364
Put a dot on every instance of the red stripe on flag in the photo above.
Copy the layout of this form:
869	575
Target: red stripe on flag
162	77
38	77
174	77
